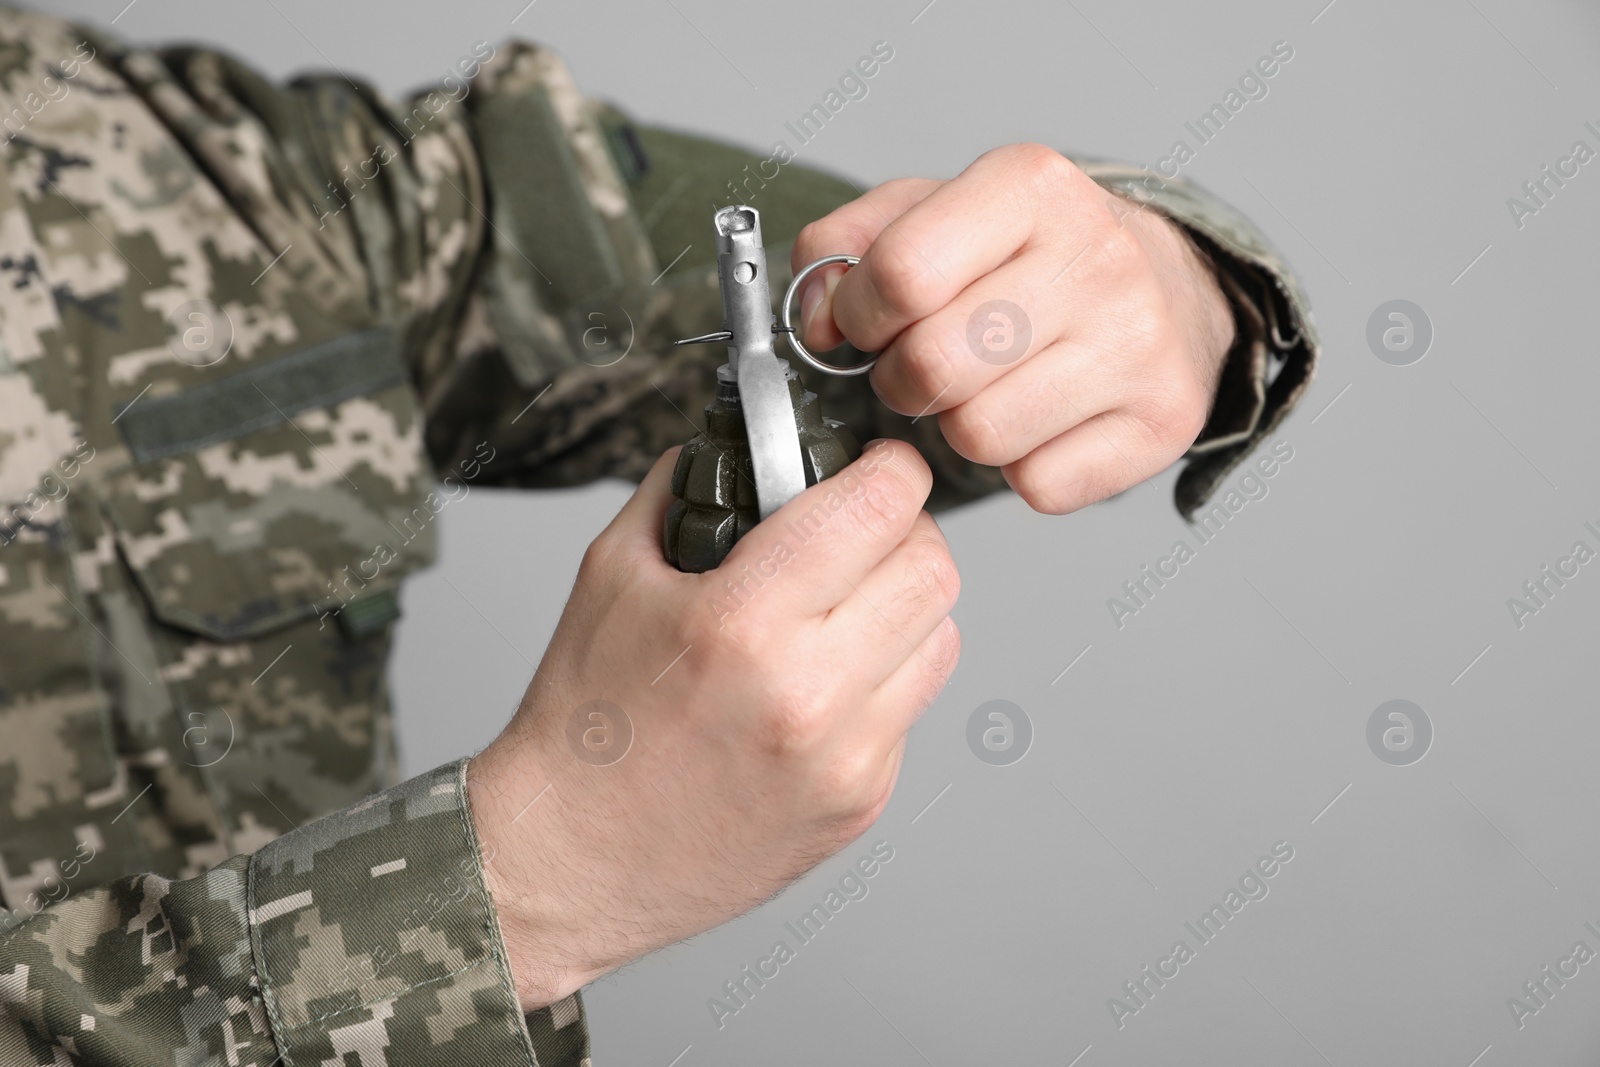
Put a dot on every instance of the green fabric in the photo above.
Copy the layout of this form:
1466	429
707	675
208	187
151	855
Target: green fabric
689	176
263	395
531	167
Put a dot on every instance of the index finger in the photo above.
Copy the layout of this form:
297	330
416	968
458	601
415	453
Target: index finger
847	230
958	233
814	551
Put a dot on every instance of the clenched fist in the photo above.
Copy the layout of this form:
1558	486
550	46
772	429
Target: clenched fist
1058	331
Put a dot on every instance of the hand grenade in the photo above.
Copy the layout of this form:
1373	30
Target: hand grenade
765	437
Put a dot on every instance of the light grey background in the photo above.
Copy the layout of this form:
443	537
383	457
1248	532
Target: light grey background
1230	712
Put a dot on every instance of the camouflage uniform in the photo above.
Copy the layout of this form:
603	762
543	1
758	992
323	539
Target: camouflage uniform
245	328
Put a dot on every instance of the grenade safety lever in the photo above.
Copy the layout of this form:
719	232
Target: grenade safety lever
765	438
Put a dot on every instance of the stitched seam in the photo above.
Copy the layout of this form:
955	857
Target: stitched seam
390	996
494	956
278	1025
258	951
490	928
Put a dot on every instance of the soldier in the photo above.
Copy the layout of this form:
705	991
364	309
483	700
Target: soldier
245	328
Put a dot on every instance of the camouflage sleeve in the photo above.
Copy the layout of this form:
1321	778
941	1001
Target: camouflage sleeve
365	937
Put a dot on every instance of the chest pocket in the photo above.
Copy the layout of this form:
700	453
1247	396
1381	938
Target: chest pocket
260	536
294	489
234	582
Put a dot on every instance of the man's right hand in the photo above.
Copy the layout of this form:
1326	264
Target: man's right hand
768	702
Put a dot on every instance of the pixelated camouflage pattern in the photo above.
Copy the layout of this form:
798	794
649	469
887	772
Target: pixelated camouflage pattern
364	938
194	623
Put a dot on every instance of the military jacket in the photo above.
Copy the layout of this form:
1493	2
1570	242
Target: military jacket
253	338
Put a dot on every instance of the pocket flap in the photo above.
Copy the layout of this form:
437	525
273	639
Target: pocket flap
308	516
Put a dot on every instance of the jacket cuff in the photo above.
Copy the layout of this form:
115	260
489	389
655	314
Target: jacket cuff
1275	349
373	932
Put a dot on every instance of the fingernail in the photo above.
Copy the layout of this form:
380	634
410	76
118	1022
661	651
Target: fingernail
810	300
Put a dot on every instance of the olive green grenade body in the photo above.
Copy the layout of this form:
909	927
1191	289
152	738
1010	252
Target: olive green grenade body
714	481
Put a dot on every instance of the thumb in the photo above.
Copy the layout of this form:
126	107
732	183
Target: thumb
637	528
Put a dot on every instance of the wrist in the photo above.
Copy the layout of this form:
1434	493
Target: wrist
1218	327
1197	295
540	931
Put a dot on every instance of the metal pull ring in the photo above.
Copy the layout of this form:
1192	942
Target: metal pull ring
798	346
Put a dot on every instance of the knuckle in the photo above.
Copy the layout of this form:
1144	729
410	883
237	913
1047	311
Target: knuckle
810	237
1145	324
843	231
597	559
1169	418
742	640
1117	251
884	505
793	724
1039	163
1186	423
1048	172
1047	492
936	662
852	785
928	582
926	365
934	579
944	653
1023	477
900	276
947	652
868	808
917	593
973	432
1098	482
895	186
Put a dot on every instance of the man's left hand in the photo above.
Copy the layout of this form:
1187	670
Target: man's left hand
1058	331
